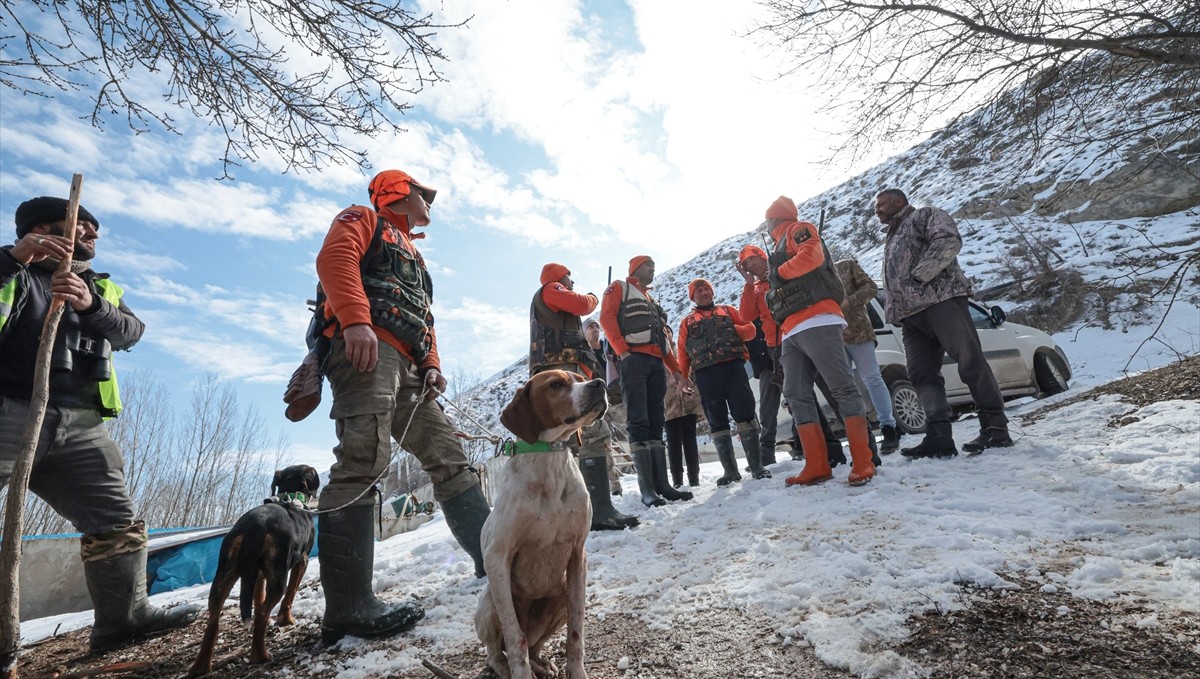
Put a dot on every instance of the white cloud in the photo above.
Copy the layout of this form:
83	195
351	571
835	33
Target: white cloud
479	337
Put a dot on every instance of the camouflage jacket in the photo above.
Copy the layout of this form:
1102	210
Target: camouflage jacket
860	290
920	262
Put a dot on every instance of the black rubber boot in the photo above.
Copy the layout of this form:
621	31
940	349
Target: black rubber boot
117	586
645	472
993	433
891	440
604	515
465	514
938	442
749	433
346	539
723	441
662	481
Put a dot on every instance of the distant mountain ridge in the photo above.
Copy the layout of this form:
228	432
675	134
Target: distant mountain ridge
1090	227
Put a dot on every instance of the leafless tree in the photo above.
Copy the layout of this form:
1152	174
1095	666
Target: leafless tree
902	68
291	78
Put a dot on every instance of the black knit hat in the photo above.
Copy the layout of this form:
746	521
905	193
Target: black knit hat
44	210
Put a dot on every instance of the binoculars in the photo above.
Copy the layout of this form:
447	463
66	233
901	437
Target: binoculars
92	353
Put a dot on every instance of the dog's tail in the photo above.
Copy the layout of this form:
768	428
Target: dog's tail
250	561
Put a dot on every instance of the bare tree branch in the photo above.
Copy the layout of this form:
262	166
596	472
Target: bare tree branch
292	78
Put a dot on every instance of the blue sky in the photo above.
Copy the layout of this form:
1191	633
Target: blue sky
645	127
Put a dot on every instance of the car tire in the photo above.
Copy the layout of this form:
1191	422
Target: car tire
906	407
1050	373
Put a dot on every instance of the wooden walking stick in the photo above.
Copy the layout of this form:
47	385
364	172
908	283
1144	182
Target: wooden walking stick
18	483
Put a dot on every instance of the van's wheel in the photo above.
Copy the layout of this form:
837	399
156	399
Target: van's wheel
906	407
1050	373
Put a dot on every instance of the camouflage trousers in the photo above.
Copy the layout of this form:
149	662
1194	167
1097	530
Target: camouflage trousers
79	471
369	410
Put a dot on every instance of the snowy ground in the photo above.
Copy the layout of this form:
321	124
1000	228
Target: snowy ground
1097	511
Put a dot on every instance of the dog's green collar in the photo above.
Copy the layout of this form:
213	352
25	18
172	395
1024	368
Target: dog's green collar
511	447
293	497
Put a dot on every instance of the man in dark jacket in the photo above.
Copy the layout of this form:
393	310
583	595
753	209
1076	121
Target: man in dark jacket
927	297
78	469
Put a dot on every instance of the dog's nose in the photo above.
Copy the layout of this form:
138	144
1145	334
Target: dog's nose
595	385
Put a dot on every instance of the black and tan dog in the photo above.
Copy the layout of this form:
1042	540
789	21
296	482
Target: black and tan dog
267	549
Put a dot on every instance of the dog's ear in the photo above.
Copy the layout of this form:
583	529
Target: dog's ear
276	481
312	480
519	416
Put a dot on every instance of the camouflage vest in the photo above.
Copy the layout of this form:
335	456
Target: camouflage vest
788	296
712	338
400	293
556	338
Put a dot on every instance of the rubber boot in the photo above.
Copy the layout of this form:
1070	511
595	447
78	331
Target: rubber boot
662	482
858	433
816	457
723	441
465	514
993	433
766	444
645	473
123	612
346	539
891	439
938	442
749	433
691	456
604	515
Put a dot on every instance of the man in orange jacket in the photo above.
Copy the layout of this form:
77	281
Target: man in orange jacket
556	342
712	340
752	265
635	327
805	299
382	360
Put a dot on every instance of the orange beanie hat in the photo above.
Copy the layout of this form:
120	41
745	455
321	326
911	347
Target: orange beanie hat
783	208
638	261
695	284
751	251
390	186
554	272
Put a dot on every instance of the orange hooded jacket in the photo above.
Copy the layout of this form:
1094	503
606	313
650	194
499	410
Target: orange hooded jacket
745	331
609	307
805	253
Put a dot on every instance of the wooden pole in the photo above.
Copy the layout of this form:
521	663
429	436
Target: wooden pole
18	483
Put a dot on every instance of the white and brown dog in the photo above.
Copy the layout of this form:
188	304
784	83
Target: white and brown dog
533	542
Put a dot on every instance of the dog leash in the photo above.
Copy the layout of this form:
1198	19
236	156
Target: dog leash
373	487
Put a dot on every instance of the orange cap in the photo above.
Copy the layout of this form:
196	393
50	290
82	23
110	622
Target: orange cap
783	208
390	186
696	284
751	251
554	272
638	261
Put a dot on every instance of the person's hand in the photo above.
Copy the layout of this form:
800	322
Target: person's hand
72	289
746	275
362	347
436	383
623	355
34	247
686	385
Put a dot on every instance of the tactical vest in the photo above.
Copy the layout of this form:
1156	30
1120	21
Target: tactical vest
556	338
400	292
788	296
641	319
109	392
712	338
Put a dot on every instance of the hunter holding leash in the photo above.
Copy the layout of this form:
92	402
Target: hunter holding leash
78	469
556	342
382	360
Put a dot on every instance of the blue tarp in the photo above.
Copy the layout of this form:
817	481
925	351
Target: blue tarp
192	563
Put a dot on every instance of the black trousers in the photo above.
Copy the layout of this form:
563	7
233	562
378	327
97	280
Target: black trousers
724	391
643	388
946	328
682	448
